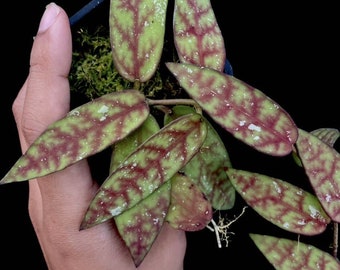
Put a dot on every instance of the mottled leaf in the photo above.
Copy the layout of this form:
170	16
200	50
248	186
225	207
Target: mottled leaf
322	165
137	31
327	135
83	132
153	163
197	36
242	110
285	254
126	146
140	225
189	209
206	168
280	202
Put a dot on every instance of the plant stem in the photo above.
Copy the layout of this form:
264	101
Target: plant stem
176	101
335	239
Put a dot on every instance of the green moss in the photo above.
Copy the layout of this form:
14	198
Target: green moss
93	73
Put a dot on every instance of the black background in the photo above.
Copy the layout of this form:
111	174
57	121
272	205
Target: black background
289	52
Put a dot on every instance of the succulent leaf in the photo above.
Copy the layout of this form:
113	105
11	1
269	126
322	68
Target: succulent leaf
197	36
206	169
322	165
280	202
137	31
152	164
189	210
244	111
126	146
84	131
327	135
140	225
285	254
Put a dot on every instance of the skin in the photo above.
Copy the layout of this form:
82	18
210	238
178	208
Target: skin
58	202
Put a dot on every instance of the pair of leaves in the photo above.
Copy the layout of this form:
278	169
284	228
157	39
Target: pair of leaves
206	167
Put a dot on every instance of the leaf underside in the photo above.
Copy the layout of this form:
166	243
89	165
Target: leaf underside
189	209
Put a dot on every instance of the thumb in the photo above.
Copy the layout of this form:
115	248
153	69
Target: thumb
45	96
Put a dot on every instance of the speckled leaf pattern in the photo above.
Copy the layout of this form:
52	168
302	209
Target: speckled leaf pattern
84	131
285	205
137	29
197	36
286	254
152	164
206	167
327	135
244	111
140	225
322	165
126	146
189	209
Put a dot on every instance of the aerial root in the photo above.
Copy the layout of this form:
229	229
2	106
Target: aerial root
221	229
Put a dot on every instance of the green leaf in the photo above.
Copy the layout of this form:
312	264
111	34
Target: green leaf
151	165
189	209
206	168
327	135
247	113
322	165
198	38
126	146
140	225
137	31
280	202
285	254
84	131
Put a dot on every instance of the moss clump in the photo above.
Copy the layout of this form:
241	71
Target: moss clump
93	73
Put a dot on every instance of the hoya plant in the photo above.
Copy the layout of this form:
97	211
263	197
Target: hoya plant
164	123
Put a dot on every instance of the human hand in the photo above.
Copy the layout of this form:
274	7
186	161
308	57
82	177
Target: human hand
57	202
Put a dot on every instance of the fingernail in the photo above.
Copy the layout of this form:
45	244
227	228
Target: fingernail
49	16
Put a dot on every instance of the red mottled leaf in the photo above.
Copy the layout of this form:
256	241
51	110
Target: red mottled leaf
242	110
280	202
83	132
126	146
189	209
153	163
198	38
206	168
322	165
285	254
137	31
327	135
140	225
